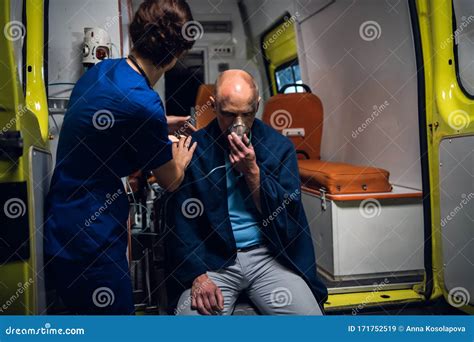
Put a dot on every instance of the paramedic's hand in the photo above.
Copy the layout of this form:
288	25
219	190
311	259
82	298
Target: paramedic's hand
180	125
183	152
242	156
206	297
170	175
173	138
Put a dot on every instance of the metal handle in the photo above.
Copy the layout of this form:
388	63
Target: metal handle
304	86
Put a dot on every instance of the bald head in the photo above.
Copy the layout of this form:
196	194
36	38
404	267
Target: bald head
236	96
236	88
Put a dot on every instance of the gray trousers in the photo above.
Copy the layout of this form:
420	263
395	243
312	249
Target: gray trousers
273	288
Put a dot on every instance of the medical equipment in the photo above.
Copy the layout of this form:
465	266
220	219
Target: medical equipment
97	46
239	127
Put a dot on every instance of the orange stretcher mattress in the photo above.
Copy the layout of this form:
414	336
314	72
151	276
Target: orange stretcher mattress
342	178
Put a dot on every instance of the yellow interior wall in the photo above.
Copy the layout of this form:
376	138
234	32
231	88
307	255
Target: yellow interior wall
280	47
17	115
443	96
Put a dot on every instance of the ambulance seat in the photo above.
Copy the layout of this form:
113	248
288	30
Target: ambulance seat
343	178
299	111
299	116
204	111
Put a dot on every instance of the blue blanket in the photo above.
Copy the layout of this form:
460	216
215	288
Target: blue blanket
199	235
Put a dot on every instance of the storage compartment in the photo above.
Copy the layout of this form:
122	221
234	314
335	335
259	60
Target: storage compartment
360	238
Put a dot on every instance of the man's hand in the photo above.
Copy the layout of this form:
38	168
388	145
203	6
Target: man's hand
243	159
180	125
242	156
206	297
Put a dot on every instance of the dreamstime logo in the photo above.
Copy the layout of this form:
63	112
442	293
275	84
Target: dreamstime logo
281	119
14	30
111	21
192	208
288	199
110	198
47	329
103	119
280	297
21	111
369	298
370	30
103	296
465	22
465	200
369	208
281	29
459	119
458	297
22	287
199	111
14	208
186	303
377	110
202	109
192	31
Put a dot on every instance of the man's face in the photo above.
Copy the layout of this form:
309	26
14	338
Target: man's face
228	109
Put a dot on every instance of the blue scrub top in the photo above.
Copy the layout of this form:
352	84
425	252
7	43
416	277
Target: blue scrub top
115	125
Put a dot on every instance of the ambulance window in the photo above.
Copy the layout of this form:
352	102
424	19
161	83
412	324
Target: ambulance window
464	43
288	73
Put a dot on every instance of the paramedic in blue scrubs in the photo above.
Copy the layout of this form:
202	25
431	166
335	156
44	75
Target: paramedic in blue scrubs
114	126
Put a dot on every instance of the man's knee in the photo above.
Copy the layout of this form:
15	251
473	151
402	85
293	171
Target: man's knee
184	307
286	294
293	298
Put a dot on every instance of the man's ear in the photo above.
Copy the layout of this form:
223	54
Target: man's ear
213	103
258	104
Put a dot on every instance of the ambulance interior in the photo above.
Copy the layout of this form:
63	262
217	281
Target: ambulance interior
342	80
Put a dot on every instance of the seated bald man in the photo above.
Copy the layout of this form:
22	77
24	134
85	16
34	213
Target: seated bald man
237	223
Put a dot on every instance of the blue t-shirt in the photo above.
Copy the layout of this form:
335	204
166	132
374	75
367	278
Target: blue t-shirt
243	214
115	125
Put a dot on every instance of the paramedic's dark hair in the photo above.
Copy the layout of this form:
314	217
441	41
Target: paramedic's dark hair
157	30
